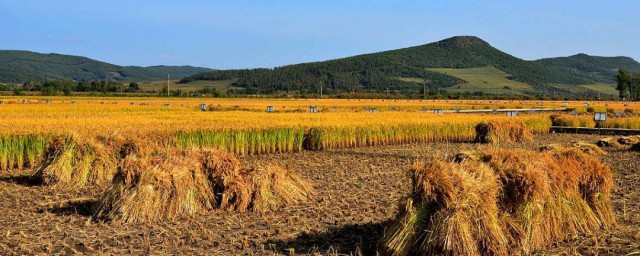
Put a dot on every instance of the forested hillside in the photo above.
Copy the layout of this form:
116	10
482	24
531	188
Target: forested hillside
595	68
379	71
22	66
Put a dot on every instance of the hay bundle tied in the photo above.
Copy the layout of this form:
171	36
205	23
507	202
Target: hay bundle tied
500	131
73	161
175	184
501	202
150	189
452	210
275	187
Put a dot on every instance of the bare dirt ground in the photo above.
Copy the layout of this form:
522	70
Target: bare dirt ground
357	191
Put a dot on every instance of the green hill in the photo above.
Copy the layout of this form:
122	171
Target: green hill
402	69
22	66
595	68
489	80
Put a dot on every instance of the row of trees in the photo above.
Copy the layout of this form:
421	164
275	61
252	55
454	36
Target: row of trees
57	87
628	84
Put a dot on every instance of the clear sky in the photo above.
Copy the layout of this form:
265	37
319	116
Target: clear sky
246	34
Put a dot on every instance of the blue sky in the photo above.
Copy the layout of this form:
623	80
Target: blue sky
246	34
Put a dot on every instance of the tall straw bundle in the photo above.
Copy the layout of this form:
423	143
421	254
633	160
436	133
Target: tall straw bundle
541	198
224	173
596	183
275	187
73	161
451	210
156	188
497	131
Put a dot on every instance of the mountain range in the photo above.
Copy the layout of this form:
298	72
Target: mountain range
457	64
461	63
22	66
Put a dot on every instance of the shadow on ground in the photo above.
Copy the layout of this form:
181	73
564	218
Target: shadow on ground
358	239
81	207
24	180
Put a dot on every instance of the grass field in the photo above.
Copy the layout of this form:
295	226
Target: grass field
487	79
602	88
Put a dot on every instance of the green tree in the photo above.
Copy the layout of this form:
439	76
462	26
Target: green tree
624	80
133	87
634	88
17	91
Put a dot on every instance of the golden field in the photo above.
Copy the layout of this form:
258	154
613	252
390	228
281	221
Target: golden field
242	126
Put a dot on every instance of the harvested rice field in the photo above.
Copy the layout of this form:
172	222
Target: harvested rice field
356	194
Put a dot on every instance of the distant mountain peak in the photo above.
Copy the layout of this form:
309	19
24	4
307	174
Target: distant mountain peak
462	42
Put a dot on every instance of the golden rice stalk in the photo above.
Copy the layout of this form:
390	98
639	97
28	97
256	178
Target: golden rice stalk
500	131
74	162
275	187
452	211
539	198
151	189
236	195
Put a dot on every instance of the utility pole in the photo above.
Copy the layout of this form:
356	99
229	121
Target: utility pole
321	84
167	85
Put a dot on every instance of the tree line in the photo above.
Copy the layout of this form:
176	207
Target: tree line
66	87
628	84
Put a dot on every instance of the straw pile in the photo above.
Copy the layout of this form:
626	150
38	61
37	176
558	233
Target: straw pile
150	189
609	142
275	187
588	148
73	162
501	202
498	131
629	140
173	184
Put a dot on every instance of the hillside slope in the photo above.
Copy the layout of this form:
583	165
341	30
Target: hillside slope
21	66
595	68
386	70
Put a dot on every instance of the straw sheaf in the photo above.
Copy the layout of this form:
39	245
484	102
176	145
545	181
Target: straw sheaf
501	202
